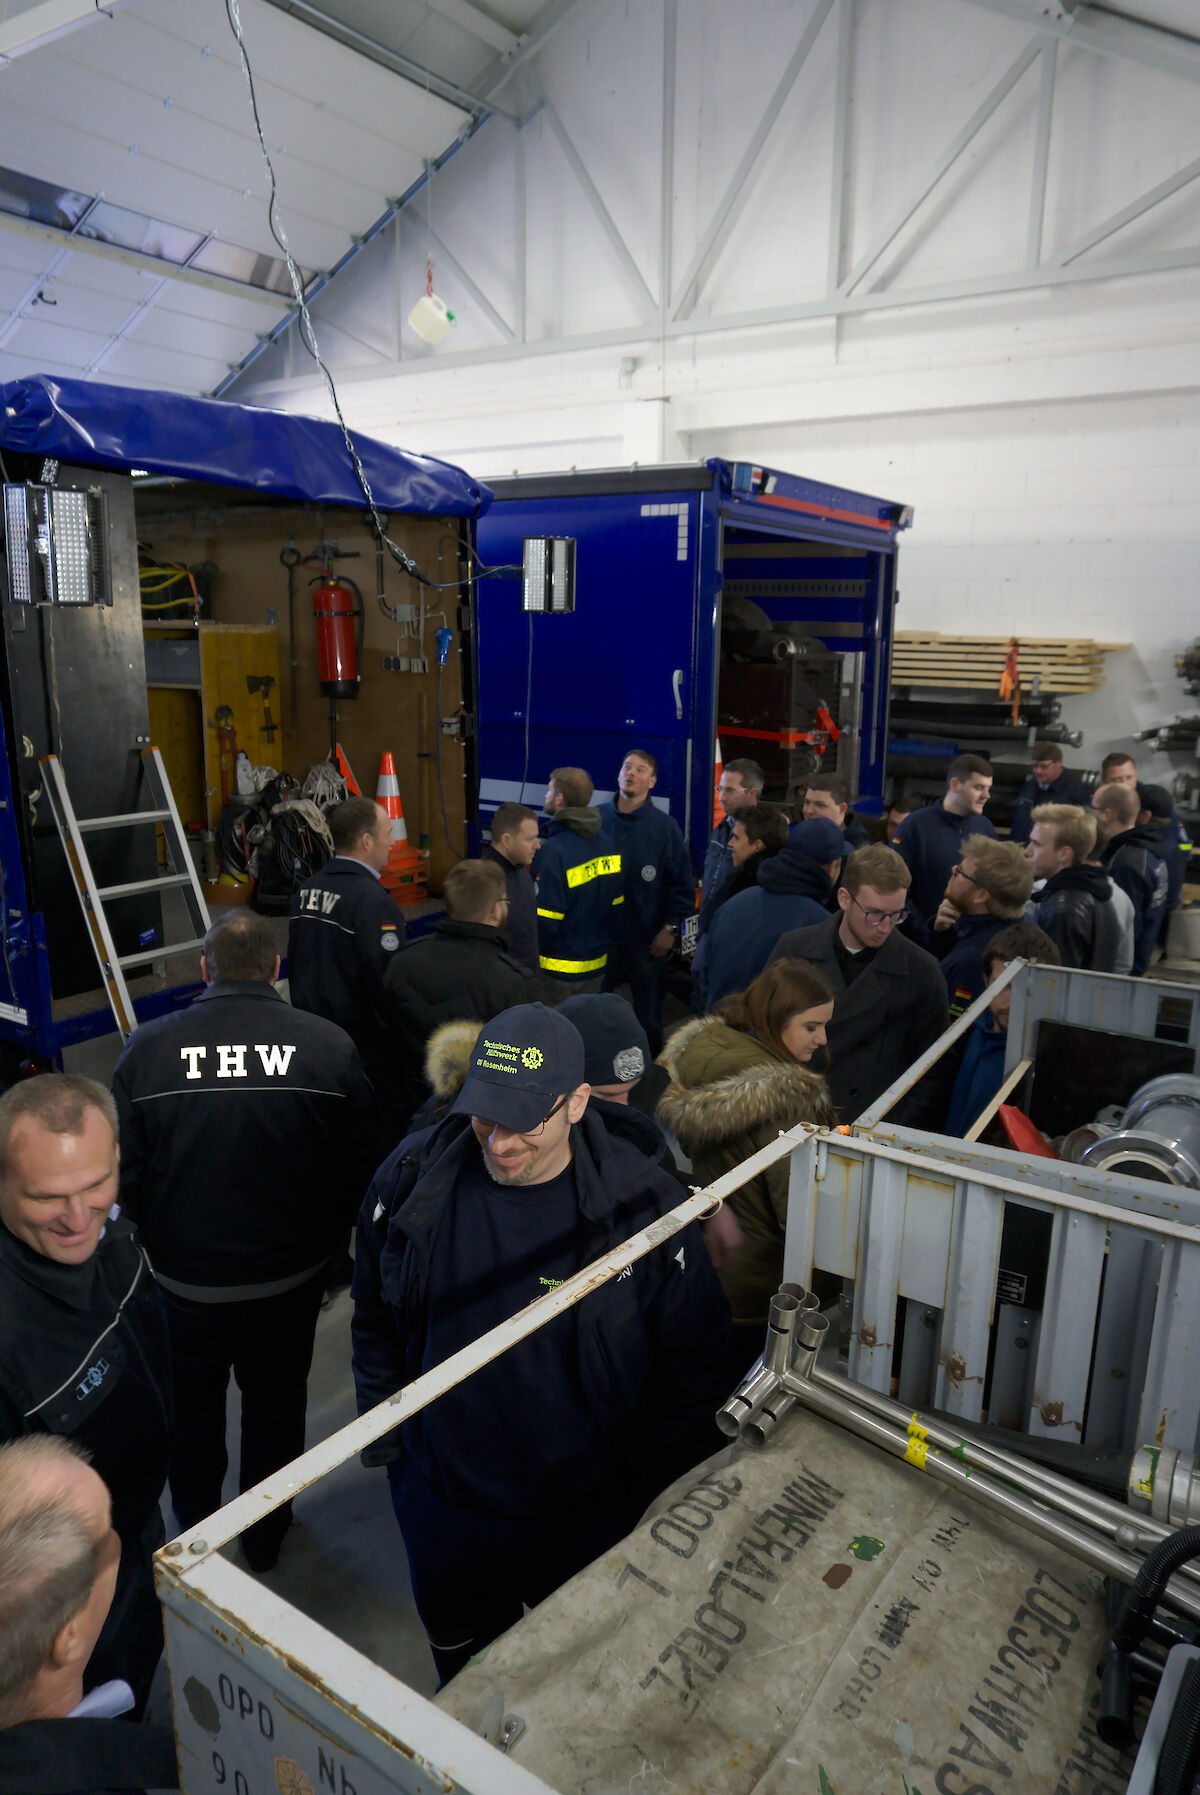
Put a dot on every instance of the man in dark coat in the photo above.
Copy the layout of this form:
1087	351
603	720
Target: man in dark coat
344	932
791	892
83	1340
529	1469
986	892
1075	908
930	841
513	845
739	788
891	1003
1134	855
758	833
58	1569
1120	768
462	971
1049	782
659	890
248	1135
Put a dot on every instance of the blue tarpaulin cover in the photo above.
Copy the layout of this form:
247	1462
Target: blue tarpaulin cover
231	445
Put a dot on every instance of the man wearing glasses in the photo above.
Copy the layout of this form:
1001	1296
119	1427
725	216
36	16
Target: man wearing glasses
528	1470
891	1003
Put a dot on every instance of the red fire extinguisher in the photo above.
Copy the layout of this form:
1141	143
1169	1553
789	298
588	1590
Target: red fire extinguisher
340	619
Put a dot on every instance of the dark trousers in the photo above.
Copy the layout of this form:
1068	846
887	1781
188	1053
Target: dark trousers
268	1346
647	981
473	1575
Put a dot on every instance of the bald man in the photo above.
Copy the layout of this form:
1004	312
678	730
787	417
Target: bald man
59	1557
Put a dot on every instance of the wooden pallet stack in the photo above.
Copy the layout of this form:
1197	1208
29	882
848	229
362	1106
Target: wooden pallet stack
1059	664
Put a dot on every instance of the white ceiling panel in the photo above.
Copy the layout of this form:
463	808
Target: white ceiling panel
160	367
40	339
21	255
190	336
91	274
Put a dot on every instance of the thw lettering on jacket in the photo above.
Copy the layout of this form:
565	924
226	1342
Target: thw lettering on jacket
231	1060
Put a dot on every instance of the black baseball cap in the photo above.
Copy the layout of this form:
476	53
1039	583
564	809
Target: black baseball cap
615	1047
1157	800
523	1060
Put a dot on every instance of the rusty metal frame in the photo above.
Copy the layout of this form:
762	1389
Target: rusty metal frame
265	1698
257	1686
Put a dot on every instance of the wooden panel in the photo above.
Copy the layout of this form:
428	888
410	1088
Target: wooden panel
1060	664
393	710
176	729
229	655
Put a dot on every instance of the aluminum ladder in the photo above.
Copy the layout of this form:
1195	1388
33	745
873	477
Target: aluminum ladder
93	897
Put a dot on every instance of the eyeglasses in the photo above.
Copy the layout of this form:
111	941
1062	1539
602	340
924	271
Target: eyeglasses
969	877
881	919
526	1134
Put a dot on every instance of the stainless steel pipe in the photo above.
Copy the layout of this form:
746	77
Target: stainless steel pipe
1103	1557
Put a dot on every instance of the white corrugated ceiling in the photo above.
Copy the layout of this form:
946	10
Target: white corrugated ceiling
136	129
127	148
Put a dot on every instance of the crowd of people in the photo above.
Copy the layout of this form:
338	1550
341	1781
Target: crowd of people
489	1114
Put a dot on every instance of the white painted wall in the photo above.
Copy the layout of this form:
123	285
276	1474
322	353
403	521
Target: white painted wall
1048	435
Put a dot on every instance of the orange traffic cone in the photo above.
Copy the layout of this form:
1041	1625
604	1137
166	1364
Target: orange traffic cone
718	808
387	793
406	874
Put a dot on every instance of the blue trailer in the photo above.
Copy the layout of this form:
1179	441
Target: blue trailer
73	675
717	599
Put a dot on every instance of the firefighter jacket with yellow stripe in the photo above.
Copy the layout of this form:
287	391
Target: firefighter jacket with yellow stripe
579	883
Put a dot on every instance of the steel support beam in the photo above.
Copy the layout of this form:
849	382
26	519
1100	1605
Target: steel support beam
43	22
1118	220
548	21
1041	154
949	156
1126	40
325	281
420	226
715	236
666	214
1025	280
387	58
134	258
604	216
476	24
841	126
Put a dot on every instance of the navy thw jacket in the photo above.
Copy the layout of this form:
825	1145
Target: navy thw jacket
791	892
578	885
654	1348
961	956
1136	860
659	886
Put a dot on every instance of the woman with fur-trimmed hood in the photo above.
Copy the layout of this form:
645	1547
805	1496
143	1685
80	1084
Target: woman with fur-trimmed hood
738	1077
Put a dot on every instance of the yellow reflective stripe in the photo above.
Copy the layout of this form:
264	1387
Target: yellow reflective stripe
549	965
554	915
619	900
593	869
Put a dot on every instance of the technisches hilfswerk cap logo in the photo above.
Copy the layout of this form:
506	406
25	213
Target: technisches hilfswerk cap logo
524	1059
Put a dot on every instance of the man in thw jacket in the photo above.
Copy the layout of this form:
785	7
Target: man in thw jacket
524	1472
660	890
248	1134
578	883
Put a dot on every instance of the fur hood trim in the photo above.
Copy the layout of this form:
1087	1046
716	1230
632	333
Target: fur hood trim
448	1056
740	1087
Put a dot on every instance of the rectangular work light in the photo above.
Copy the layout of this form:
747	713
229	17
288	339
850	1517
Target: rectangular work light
548	574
